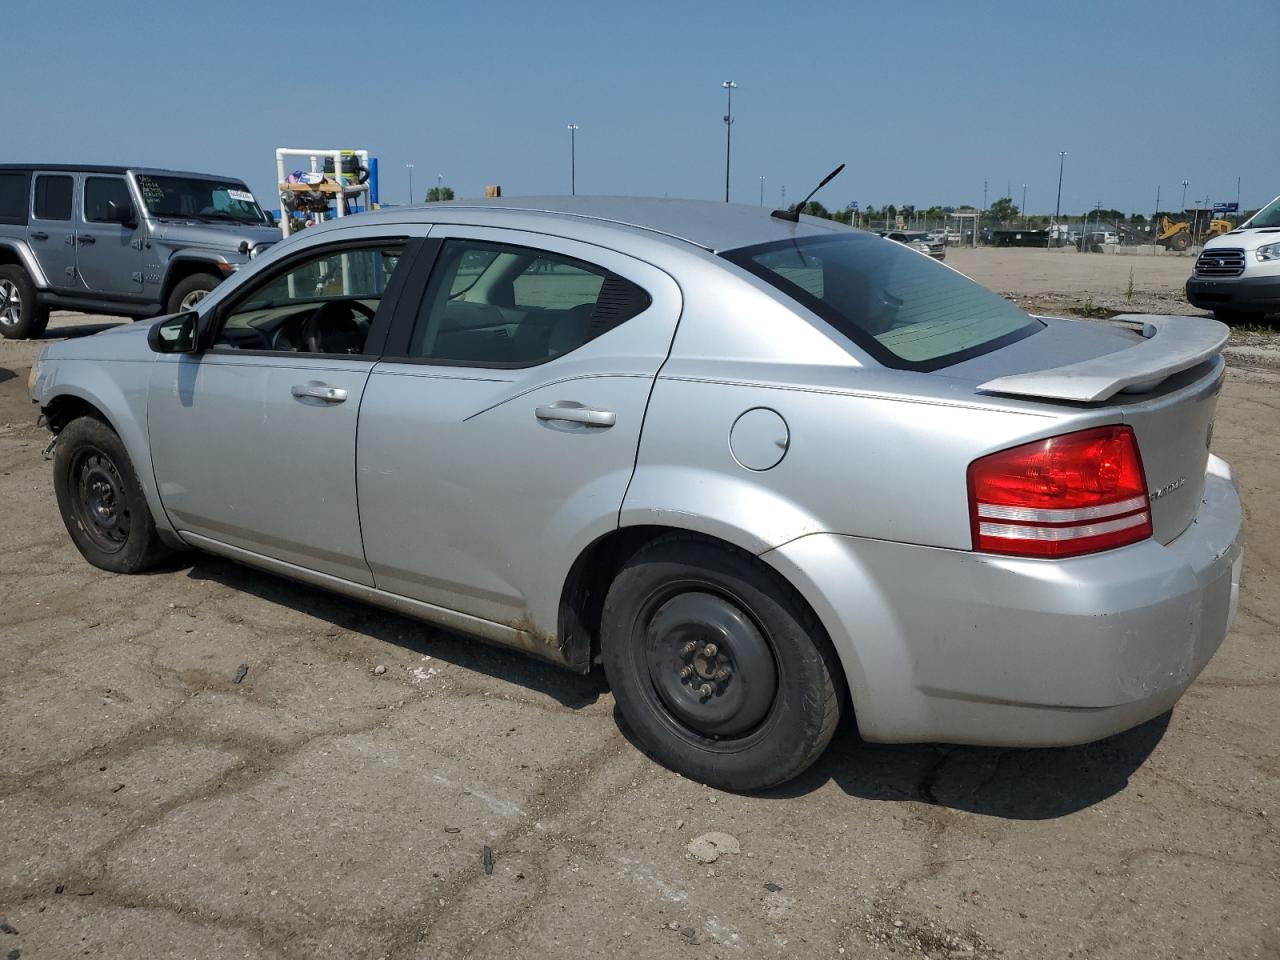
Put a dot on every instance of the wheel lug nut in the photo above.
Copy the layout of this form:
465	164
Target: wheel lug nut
705	690
686	673
688	649
723	674
710	650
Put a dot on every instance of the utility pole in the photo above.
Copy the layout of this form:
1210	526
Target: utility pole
1155	218
1024	205
410	168
1237	196
729	86
1184	195
982	213
573	159
762	191
1057	210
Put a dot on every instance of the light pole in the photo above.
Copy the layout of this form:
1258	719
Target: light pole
1024	204
1184	195
1057	210
762	191
573	159
728	126
409	166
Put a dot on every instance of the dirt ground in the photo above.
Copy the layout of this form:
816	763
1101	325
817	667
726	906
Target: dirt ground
150	806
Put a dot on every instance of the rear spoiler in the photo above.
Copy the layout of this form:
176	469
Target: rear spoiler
1169	345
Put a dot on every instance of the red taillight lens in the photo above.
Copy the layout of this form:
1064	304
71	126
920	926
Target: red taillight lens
1061	497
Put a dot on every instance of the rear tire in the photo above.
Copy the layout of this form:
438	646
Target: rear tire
719	668
101	500
189	291
21	318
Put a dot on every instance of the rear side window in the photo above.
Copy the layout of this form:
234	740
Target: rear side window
14	187
53	197
900	305
495	305
100	193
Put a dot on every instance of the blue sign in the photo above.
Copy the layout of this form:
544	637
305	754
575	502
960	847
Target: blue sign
852	206
1226	208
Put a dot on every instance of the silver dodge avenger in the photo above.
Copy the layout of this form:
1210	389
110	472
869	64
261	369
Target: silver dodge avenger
770	473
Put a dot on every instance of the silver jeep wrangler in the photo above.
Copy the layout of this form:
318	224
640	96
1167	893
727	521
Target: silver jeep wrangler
125	241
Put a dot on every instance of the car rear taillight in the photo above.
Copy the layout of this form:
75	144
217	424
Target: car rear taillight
1061	497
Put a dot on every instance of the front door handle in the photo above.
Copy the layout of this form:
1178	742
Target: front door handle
39	235
318	391
87	238
576	413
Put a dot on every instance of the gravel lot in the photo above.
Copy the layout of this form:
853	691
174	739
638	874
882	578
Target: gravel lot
152	807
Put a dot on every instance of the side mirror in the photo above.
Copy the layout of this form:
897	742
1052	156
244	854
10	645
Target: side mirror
271	218
121	213
177	334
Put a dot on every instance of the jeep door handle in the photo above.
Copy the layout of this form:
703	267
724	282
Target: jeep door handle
576	414
87	238
318	391
39	235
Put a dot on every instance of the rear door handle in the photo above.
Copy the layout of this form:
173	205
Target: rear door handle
87	238
576	414
39	235
318	391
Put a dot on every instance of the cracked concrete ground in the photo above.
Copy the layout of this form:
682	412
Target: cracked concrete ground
151	807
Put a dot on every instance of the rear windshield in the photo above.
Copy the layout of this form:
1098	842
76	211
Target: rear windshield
903	307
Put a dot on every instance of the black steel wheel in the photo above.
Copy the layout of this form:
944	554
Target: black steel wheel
102	503
719	668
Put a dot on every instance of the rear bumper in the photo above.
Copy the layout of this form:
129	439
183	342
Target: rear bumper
1239	293
947	645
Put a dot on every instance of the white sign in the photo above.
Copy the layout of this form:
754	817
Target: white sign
244	196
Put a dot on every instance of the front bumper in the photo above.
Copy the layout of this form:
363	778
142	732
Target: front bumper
953	646
1237	293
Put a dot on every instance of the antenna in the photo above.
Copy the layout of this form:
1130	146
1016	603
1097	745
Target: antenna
794	215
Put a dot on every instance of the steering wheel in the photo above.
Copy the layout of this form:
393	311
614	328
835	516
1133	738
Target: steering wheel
335	316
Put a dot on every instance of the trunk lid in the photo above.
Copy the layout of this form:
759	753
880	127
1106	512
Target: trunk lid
1160	375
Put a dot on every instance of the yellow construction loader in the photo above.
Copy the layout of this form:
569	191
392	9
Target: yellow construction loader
1180	234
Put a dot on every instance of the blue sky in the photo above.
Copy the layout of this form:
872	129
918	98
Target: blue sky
922	100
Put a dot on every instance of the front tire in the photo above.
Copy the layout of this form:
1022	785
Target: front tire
718	666
21	318
189	291
101	500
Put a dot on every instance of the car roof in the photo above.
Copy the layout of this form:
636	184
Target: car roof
712	226
110	168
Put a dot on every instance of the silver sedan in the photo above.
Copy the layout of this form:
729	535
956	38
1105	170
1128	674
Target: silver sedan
768	473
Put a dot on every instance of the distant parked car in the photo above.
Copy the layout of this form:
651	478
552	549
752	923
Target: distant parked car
919	240
770	473
125	241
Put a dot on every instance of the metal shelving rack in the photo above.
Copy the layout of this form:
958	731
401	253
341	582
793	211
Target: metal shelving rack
338	193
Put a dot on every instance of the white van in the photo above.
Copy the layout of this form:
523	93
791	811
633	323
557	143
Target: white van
1237	274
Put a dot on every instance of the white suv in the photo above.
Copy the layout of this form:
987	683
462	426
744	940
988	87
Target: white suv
1237	275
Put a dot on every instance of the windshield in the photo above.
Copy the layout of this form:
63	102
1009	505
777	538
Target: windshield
907	310
200	198
1268	216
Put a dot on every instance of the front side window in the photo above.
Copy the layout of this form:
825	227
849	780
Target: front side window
101	194
325	304
497	305
905	309
53	198
199	198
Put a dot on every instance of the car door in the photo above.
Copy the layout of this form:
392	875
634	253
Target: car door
51	231
253	439
108	253
498	438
